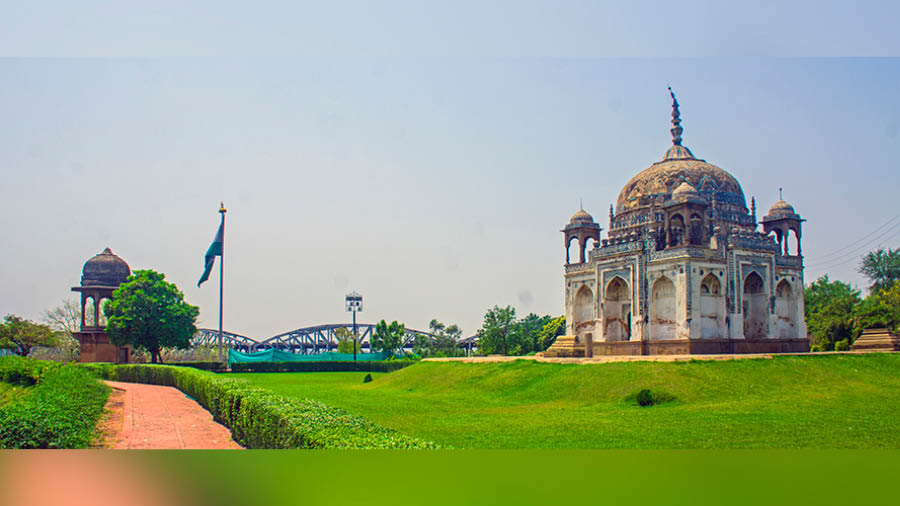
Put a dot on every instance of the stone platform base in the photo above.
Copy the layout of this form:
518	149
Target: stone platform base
876	340
565	347
95	347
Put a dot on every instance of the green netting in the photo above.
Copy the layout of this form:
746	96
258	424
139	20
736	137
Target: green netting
284	356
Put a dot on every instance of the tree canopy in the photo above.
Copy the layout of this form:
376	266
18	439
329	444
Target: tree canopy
21	335
346	341
502	333
882	267
443	344
387	338
150	313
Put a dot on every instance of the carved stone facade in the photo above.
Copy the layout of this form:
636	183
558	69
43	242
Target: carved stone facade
684	269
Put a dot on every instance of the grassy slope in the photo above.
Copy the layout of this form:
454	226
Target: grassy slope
837	401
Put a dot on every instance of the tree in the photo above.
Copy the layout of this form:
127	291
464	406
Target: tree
882	267
879	310
527	333
150	313
830	307
65	319
21	335
443	342
494	335
388	338
551	330
346	341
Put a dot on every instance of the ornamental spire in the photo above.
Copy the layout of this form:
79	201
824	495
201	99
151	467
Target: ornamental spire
676	120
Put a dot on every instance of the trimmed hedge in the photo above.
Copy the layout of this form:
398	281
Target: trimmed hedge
324	366
203	366
60	409
259	418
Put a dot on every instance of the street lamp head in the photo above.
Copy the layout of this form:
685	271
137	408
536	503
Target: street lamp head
354	302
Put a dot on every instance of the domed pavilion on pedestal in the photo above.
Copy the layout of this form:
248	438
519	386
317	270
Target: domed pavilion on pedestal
100	276
683	268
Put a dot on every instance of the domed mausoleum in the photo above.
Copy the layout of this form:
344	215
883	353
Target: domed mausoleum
100	276
684	268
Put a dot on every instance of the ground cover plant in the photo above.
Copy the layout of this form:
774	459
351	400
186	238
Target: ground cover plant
834	401
259	418
48	405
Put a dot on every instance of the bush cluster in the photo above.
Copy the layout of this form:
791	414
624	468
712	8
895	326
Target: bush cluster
60	410
322	366
203	366
259	418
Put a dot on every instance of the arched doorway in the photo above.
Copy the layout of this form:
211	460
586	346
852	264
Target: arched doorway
616	311
785	311
755	308
662	309
583	313
712	308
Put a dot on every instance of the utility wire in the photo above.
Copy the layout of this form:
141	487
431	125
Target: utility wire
822	258
854	255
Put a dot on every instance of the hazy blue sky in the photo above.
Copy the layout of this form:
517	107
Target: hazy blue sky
433	179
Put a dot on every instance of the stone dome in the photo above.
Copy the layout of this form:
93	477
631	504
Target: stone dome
580	217
678	167
105	269
781	208
684	190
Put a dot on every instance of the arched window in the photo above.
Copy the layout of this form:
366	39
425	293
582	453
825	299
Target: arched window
676	230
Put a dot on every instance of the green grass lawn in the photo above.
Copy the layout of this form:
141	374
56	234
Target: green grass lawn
833	401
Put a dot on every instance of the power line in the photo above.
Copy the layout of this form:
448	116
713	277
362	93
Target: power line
856	242
854	255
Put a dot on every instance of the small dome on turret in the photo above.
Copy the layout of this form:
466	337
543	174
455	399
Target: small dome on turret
105	269
580	217
781	208
684	190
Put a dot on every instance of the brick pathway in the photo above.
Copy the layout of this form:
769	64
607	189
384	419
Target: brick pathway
156	417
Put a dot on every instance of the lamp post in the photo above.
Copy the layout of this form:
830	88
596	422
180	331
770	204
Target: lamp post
354	304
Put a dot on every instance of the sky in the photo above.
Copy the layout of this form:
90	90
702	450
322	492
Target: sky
429	167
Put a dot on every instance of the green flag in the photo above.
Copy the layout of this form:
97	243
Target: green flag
215	250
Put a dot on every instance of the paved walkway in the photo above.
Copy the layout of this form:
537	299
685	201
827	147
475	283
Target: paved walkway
156	417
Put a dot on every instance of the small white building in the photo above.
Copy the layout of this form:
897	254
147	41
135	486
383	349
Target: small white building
684	268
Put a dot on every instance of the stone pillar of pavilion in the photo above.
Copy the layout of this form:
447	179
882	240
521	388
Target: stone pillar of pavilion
100	276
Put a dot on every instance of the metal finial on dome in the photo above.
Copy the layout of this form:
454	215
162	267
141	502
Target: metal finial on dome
676	120
780	196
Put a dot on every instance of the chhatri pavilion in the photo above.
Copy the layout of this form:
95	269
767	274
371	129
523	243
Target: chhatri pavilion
684	268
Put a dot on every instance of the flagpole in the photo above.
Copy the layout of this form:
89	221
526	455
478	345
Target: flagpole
222	211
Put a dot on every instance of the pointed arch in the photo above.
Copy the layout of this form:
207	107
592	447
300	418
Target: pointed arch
785	311
617	310
583	312
662	309
712	308
755	308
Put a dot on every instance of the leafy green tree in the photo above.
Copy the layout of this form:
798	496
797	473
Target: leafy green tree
443	342
554	328
498	327
881	309
388	338
527	333
150	313
21	335
346	341
830	308
882	267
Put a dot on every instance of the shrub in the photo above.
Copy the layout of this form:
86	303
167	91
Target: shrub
259	418
321	366
203	366
842	345
645	398
367	379
60	410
